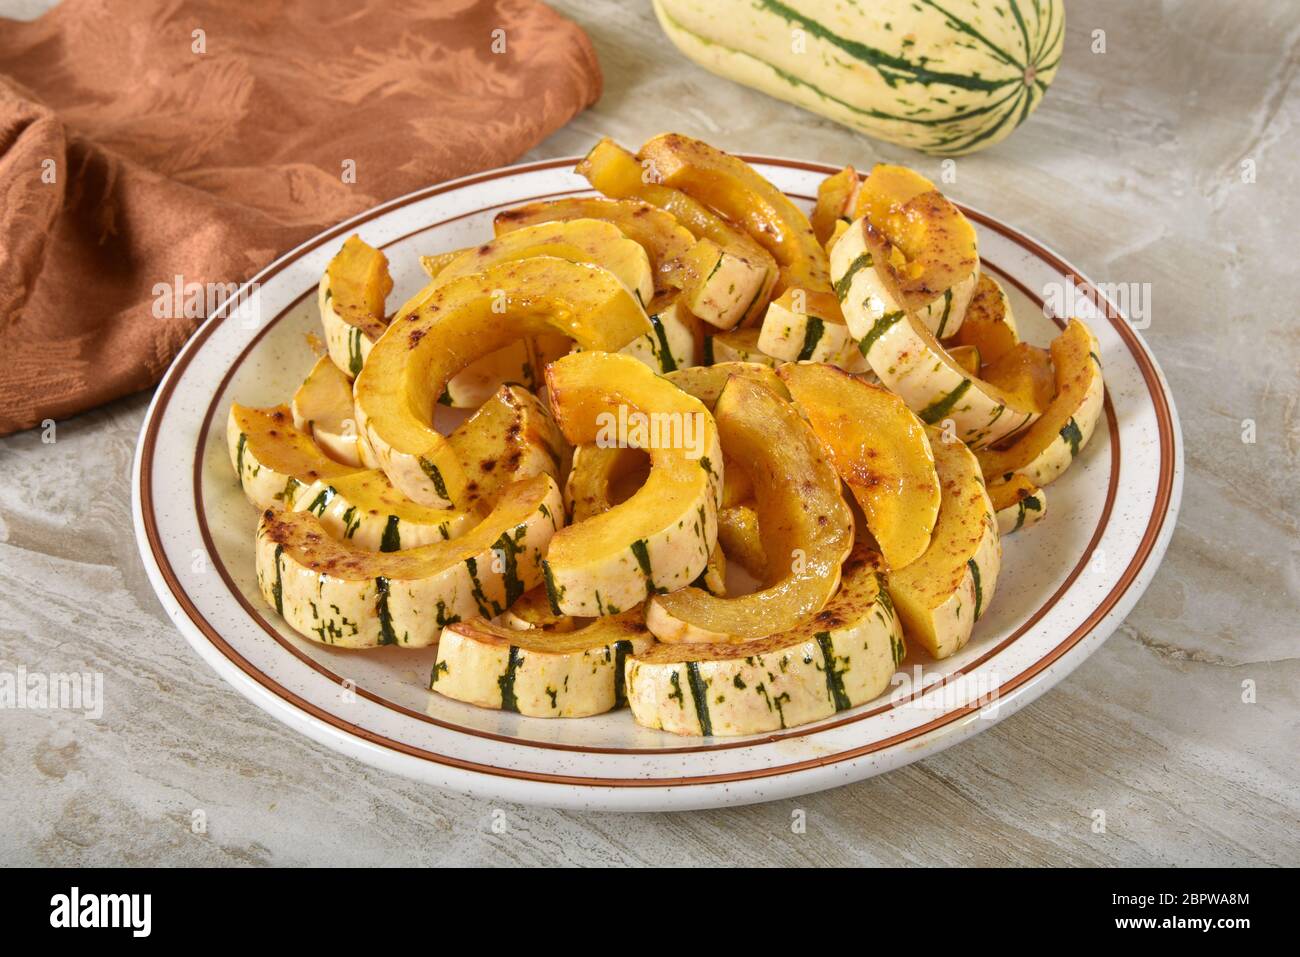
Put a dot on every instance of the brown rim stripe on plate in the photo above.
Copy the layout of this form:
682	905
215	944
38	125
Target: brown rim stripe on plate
1154	526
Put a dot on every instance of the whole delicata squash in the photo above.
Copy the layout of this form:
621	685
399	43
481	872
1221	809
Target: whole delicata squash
944	78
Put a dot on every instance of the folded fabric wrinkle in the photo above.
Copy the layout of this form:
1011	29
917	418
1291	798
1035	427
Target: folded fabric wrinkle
156	153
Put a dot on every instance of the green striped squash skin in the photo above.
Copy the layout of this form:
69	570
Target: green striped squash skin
569	675
348	346
367	522
945	77
837	659
1028	511
349	598
908	365
798	337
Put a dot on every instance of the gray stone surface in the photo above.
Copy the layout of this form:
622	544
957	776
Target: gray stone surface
1132	169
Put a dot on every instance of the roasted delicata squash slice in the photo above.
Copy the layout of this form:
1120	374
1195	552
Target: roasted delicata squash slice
541	674
707	382
941	595
473	385
598	473
620	175
351	299
880	449
801	326
665	240
720	285
731	186
511	437
464	321
884	191
726	286
363	508
661	538
1048	447
738	345
275	462
1017	503
1023	372
675	341
533	610
433	265
910	361
929	250
741	540
807	529
989	325
841	657
513	364
604	477
336	593
835	196
322	408
588	241
579	240
968	357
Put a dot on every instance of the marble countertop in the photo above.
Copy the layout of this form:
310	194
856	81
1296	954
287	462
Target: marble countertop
1132	168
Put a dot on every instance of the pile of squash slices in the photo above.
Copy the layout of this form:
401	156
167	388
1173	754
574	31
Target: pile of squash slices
683	373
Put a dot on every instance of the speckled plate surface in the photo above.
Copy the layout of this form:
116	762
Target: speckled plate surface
1065	584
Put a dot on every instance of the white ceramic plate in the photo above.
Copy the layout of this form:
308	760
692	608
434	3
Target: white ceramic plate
1065	584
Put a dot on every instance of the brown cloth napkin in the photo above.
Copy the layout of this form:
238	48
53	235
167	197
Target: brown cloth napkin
145	139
